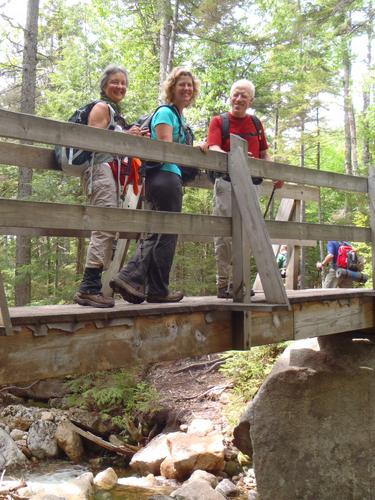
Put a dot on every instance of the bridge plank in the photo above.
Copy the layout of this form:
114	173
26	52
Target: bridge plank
33	128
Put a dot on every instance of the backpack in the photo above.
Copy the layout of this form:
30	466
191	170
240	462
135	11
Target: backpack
224	117
144	122
75	161
347	258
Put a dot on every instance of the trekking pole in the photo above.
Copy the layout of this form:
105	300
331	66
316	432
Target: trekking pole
269	202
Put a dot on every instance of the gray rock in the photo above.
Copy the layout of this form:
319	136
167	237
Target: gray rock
312	422
19	416
17	434
69	441
80	488
227	488
206	476
197	490
10	455
41	439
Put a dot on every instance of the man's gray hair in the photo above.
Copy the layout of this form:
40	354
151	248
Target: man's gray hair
244	83
110	70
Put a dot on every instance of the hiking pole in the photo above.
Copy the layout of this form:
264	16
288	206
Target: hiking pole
269	202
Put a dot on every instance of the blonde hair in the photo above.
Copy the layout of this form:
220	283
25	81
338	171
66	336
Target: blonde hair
171	81
244	83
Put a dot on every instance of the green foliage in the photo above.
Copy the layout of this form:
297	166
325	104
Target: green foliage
118	395
247	370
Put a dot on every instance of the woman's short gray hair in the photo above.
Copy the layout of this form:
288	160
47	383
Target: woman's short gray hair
110	70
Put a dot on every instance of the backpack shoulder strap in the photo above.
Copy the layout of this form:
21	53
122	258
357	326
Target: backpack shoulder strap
257	124
224	117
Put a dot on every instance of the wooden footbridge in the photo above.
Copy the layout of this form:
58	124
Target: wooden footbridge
51	341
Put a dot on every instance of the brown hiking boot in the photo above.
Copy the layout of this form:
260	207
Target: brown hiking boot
93	300
171	297
128	292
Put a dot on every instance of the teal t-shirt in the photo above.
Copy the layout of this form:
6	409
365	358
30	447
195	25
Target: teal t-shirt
168	117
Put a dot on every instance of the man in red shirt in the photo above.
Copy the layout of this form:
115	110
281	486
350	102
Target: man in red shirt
240	123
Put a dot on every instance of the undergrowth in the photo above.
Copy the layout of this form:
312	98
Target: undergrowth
247	370
120	396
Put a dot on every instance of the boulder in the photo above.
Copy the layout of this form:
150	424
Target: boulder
227	489
312	422
189	452
10	455
41	439
80	488
106	479
19	416
148	459
205	476
42	390
18	434
69	441
197	490
200	426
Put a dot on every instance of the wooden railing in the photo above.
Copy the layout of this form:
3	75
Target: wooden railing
247	227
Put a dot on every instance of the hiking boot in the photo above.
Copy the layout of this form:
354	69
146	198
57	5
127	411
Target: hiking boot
128	292
93	300
171	297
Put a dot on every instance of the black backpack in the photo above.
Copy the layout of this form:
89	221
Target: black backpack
144	122
75	161
212	175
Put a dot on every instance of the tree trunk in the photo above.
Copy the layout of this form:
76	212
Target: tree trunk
168	31
366	155
23	247
347	107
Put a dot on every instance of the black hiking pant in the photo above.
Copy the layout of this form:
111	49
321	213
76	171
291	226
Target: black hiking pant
150	266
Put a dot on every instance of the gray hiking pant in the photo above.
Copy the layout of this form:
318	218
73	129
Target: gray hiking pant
331	281
104	193
222	206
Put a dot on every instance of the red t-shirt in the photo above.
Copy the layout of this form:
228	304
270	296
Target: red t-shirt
237	126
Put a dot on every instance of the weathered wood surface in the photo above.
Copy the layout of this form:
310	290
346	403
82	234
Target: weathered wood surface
46	131
253	222
5	320
52	341
371	201
23	155
77	220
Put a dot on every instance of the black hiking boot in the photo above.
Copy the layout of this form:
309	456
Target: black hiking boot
89	293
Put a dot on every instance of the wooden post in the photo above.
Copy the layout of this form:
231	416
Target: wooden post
4	311
122	246
371	202
292	270
254	223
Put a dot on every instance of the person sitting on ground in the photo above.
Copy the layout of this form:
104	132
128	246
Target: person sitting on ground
240	123
146	276
101	186
331	280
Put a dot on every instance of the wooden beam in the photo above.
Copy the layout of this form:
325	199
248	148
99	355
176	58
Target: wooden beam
23	155
46	131
95	346
253	222
5	320
57	218
371	202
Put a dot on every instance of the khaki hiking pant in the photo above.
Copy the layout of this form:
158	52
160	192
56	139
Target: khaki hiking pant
222	202
104	193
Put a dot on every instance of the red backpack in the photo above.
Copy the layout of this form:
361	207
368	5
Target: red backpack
347	257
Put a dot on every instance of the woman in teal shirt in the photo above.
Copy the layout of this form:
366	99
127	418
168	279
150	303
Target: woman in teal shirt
146	276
